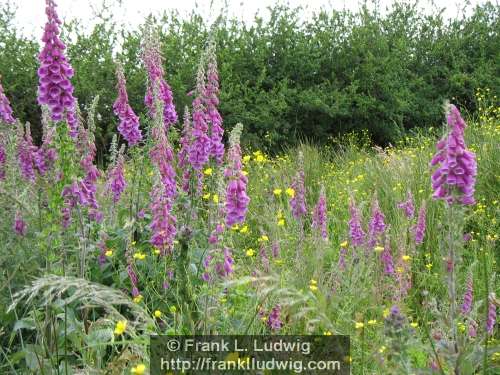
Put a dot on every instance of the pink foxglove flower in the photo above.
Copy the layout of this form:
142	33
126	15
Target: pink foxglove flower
5	109
376	226
129	122
492	316
420	227
55	89
455	178
319	221
355	229
3	160
387	260
163	224
116	179
274	320
468	296
408	206
20	226
236	193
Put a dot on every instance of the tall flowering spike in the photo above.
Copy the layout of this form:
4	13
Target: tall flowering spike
153	62
199	152
163	224
387	260
225	267
133	281
3	159
319	221
116	179
468	296
420	227
55	89
274	320
492	316
129	122
212	101
376	225
355	229
25	154
183	154
298	199
455	178
163	156
5	108
408	206
236	192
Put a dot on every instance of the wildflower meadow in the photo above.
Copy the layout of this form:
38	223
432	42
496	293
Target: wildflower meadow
184	230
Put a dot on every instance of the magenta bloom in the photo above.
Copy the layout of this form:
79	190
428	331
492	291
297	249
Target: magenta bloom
341	262
163	224
468	296
376	225
129	122
355	229
236	192
492	317
55	89
420	227
5	109
274	320
319	220
455	178
20	226
408	206
387	261
25	155
163	156
156	81
199	151
116	179
212	101
3	160
183	154
225	268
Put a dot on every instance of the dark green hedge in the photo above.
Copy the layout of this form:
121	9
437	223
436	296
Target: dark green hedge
284	78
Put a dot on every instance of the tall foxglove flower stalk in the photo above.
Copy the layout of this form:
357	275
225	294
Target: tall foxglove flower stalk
129	122
163	156
199	152
454	179
5	108
387	260
408	206
212	101
376	225
298	199
492	316
156	82
20	226
468	296
236	192
133	281
420	227
183	154
55	89
274	320
25	154
116	179
319	221
163	224
355	229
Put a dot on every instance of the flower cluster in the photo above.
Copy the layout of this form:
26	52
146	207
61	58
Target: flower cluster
408	206
5	109
55	89
3	160
420	227
129	122
274	320
163	224
376	226
236	192
116	179
156	81
455	178
20	226
355	229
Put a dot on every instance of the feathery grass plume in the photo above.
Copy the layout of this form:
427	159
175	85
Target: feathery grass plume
421	224
116	179
468	295
455	178
408	206
319	221
153	61
20	227
236	192
376	226
492	315
5	108
129	126
356	231
55	88
211	100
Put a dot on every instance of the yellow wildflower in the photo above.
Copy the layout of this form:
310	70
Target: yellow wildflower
139	256
173	309
344	244
359	325
206	196
250	253
406	258
414	324
139	369
108	253
215	198
327	333
157	313
244	229
372	322
386	312
264	238
290	192
137	299
246	158
281	222
120	327
277	192
379	249
208	172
